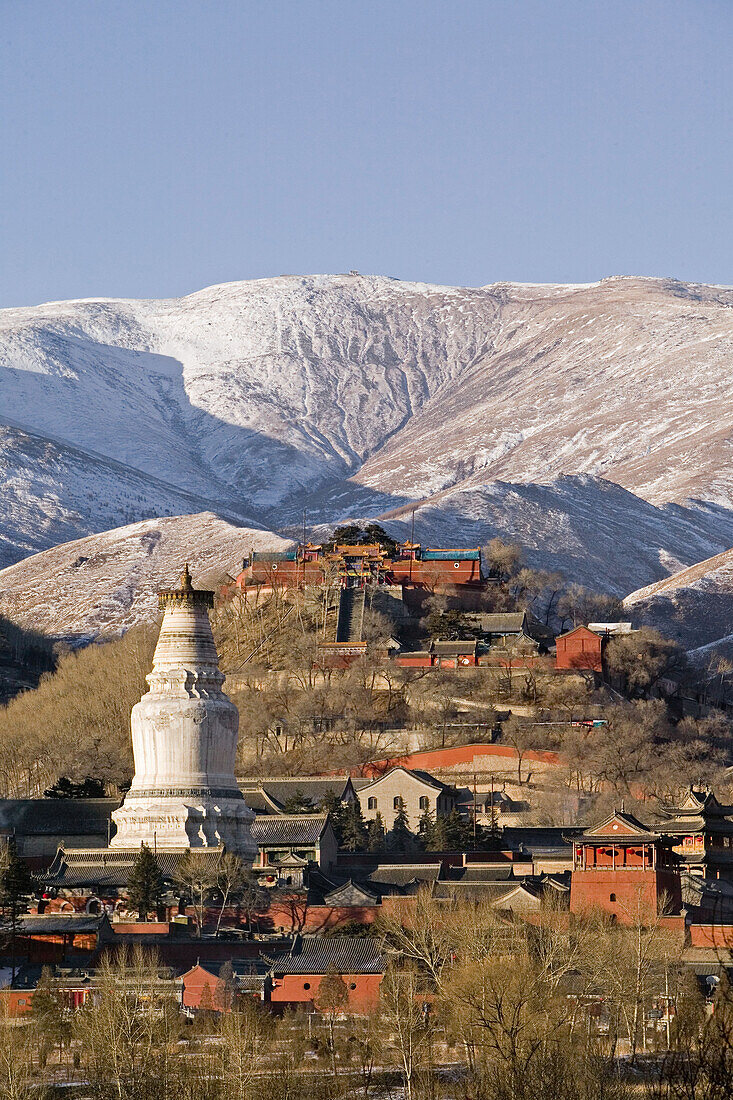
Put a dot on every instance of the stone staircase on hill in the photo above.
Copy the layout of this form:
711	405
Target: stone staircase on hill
350	623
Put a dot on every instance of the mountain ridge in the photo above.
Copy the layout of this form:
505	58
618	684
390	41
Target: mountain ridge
362	396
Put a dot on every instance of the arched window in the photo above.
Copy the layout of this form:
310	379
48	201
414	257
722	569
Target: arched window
612	897
372	803
396	802
424	802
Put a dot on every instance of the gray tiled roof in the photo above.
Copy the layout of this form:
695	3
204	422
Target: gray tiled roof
500	622
257	800
401	874
541	838
481	875
450	648
351	893
56	816
281	788
319	954
105	867
60	923
289	829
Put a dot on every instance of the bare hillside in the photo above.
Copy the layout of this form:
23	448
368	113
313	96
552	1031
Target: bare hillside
694	606
105	583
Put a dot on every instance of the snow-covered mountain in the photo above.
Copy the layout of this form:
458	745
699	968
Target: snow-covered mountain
588	529
503	409
105	583
693	606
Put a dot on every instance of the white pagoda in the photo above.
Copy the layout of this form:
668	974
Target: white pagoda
184	739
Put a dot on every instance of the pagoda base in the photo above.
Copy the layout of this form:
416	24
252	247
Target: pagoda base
196	820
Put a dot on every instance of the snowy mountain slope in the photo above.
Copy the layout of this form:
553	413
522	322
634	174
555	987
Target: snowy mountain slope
53	493
693	606
588	529
249	390
628	379
105	583
360	395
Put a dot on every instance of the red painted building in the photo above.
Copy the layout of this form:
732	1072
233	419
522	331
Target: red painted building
581	649
625	869
295	979
412	567
435	568
204	986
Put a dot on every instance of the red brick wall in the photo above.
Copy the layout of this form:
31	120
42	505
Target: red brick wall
450	758
624	894
432	573
194	984
296	916
711	935
291	989
17	1002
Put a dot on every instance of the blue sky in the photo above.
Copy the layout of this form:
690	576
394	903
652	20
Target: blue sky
151	149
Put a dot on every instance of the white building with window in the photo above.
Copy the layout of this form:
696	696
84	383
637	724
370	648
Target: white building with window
418	790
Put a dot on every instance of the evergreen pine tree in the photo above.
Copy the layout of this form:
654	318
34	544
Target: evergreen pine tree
145	884
376	834
226	988
438	841
336	810
16	888
458	835
298	803
426	830
400	838
47	1012
353	829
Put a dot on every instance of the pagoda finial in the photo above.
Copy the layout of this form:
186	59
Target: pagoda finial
185	594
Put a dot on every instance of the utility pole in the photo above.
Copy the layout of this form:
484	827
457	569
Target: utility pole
412	543
302	553
666	1003
474	806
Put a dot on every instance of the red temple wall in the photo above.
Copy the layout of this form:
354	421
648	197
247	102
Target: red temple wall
625	894
581	650
291	989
